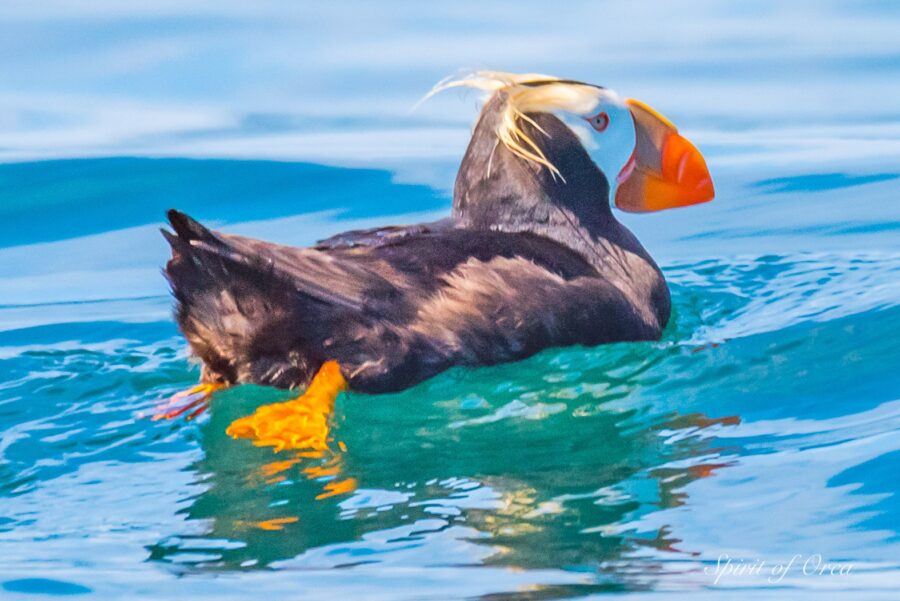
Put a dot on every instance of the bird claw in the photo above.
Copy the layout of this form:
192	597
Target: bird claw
195	400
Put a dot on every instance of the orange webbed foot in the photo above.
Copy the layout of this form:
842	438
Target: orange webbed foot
195	400
300	423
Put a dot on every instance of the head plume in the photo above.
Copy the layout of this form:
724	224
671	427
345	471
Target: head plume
527	93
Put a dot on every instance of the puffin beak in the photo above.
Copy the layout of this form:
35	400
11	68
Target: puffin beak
665	171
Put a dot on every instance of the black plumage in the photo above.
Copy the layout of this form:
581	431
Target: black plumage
526	261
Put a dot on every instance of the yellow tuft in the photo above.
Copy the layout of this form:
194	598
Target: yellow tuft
527	93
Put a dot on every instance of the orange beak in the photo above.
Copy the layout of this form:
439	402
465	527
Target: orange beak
665	171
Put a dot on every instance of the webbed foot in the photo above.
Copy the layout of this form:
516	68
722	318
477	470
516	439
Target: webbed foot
300	423
195	400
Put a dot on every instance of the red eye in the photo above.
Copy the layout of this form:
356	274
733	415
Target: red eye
600	121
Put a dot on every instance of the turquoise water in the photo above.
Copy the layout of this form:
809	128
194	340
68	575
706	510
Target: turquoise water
765	425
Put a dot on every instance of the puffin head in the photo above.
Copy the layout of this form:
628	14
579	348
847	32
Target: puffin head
646	163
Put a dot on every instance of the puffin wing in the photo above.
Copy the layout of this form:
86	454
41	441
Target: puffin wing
318	275
479	297
381	236
390	309
528	294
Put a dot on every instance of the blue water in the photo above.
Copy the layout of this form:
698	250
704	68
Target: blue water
765	425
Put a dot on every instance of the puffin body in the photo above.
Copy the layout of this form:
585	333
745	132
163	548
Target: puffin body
530	258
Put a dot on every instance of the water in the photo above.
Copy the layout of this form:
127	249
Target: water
763	426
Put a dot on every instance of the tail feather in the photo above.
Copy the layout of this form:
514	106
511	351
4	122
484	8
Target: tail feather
228	305
187	228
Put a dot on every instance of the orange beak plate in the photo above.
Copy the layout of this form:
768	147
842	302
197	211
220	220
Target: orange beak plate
666	171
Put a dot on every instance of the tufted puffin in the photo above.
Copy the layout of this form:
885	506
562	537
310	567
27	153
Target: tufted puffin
531	257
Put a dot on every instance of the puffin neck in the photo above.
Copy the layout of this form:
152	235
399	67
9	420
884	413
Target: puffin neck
498	190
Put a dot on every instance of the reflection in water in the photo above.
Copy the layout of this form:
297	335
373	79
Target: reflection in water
579	469
532	495
577	459
301	426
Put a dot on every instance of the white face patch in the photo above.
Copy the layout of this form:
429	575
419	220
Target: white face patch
613	134
583	132
607	133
